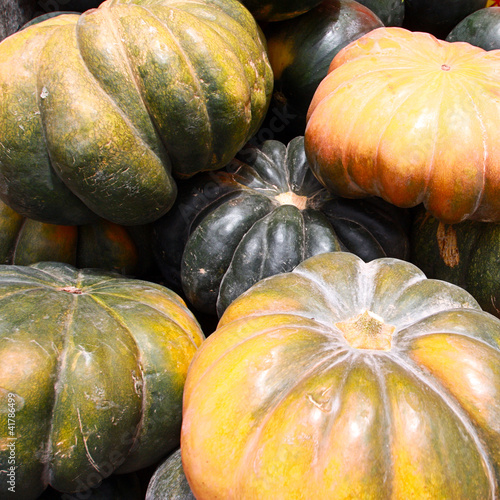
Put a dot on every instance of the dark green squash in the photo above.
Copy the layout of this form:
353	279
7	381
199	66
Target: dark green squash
301	50
102	244
261	216
481	28
466	254
92	368
169	481
98	110
438	18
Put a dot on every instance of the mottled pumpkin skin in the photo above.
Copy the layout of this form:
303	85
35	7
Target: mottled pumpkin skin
416	121
345	379
98	110
278	10
102	244
169	481
467	254
263	215
95	365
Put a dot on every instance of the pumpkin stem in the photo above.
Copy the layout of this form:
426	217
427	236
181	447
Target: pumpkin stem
290	198
71	289
367	330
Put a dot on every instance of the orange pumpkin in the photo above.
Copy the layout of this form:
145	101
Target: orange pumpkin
411	119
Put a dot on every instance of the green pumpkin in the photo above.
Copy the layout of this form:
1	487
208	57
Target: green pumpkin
301	50
261	216
92	369
169	481
467	254
98	110
102	244
481	28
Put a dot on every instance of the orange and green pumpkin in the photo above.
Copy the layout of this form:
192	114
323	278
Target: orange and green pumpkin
411	119
98	110
102	244
345	379
92	370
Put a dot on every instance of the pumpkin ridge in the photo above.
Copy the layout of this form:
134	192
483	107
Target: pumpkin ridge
47	475
451	403
411	94
282	397
140	424
112	27
480	191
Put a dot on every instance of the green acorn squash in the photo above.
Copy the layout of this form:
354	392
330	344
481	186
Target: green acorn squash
346	380
263	215
92	370
98	110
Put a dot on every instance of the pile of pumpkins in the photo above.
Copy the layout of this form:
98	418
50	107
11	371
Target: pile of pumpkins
251	250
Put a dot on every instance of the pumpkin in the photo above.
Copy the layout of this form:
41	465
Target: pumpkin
346	379
92	370
301	49
278	10
467	254
102	244
169	481
261	216
416	121
98	110
438	18
481	28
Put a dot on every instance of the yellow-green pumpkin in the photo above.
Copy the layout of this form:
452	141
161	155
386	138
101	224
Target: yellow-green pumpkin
98	110
92	370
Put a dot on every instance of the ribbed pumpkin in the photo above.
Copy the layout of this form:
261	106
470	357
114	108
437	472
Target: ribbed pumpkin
92	366
102	244
264	215
301	49
415	121
467	254
345	379
169	481
278	10
96	110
